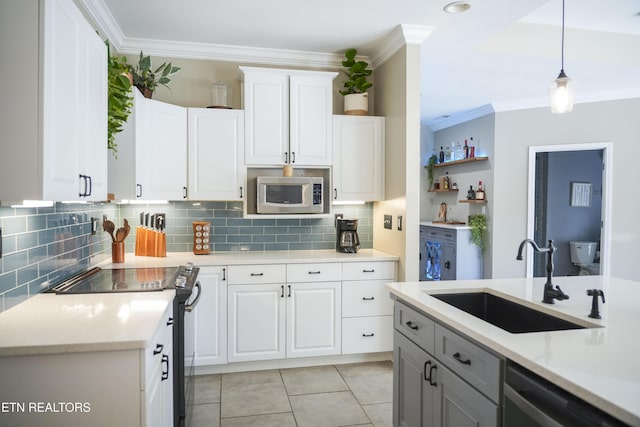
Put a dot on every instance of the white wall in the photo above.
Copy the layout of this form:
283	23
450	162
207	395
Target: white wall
617	122
398	99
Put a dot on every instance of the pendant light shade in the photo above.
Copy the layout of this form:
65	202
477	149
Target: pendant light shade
562	91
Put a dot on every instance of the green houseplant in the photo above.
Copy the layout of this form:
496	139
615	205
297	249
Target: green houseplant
356	100
119	96
431	165
478	224
146	79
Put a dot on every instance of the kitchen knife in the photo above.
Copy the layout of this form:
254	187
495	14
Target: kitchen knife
151	236
141	238
161	241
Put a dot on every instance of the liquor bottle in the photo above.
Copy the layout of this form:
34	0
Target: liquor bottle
472	148
471	195
459	151
466	150
441	158
446	182
480	191
447	154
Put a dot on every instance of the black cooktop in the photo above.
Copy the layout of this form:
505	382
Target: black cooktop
98	280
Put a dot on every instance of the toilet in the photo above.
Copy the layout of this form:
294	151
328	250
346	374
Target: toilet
582	256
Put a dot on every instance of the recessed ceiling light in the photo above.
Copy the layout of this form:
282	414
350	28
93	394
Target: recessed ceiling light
457	7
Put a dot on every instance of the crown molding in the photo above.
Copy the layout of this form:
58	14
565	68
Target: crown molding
97	12
242	54
400	36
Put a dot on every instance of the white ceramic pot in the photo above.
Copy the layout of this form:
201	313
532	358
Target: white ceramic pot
356	104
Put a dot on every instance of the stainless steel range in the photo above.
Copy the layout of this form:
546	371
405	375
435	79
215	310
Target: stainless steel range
183	279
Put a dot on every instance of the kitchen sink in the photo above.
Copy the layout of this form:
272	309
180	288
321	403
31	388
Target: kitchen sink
505	314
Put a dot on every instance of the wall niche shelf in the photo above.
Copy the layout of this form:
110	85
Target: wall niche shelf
473	201
458	162
442	191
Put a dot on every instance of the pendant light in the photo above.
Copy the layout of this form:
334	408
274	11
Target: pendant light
562	90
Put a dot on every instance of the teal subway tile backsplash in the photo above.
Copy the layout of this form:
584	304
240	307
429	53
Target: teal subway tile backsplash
41	246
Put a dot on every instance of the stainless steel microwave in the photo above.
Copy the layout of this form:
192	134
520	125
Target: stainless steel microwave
289	195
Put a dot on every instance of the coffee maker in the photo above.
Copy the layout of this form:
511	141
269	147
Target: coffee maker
347	240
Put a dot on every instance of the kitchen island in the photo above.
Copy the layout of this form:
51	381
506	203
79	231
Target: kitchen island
597	364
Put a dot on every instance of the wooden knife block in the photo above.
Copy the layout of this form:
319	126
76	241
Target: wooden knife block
150	243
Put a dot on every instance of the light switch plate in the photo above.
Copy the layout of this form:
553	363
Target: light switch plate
388	220
399	222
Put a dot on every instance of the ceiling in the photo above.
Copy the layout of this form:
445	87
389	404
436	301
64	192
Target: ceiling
501	53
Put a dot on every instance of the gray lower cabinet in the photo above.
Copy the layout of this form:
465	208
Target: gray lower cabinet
428	392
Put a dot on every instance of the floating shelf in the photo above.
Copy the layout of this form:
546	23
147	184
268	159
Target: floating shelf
442	191
459	162
473	201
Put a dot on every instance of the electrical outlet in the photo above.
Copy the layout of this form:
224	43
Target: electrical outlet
94	226
335	219
388	221
399	222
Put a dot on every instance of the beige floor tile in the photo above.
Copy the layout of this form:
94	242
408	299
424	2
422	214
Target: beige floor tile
368	368
207	389
271	420
253	393
317	379
381	414
206	415
327	409
252	377
370	389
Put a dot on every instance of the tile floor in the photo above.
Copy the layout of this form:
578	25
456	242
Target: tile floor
341	395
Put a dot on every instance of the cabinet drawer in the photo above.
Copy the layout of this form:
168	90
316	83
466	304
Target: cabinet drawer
416	326
369	270
367	334
366	298
257	274
321	272
439	233
472	363
159	346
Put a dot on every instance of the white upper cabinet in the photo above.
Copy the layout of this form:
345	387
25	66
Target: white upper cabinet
358	158
216	154
54	129
152	153
288	117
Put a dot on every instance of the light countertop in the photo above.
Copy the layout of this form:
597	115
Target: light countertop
174	259
598	364
48	323
446	225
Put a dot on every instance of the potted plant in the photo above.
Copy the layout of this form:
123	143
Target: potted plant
431	164
356	100
146	79
478	224
119	96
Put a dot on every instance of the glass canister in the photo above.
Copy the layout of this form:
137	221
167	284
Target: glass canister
220	95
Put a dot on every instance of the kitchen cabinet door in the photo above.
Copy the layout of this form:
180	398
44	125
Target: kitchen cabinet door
413	395
216	154
311	107
211	317
288	116
314	319
266	106
256	322
46	126
358	158
152	153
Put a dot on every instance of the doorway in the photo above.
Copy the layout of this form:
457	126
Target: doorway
569	200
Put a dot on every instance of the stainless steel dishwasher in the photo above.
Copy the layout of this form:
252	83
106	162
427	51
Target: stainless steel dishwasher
532	401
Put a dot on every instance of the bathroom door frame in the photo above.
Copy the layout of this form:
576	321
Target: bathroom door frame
607	186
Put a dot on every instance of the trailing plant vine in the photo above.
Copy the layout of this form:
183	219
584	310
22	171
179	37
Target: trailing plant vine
478	224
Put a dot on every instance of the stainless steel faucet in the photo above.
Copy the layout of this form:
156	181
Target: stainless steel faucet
549	292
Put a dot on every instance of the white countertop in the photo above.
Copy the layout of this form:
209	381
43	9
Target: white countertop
446	225
599	364
49	323
174	259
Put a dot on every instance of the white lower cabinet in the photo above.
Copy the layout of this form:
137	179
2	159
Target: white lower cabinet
211	318
283	320
367	310
132	387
